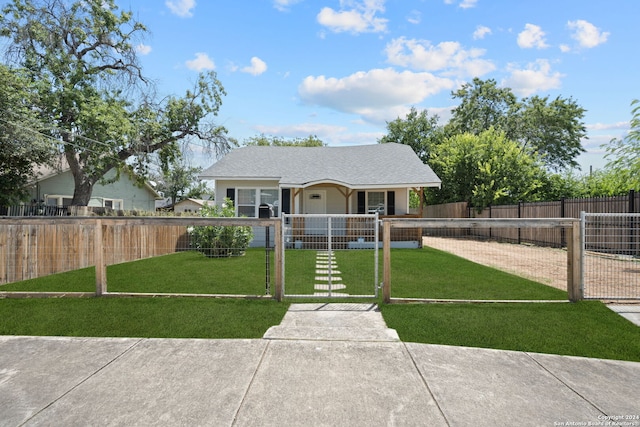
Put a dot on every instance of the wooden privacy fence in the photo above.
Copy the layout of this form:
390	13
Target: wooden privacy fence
36	247
554	237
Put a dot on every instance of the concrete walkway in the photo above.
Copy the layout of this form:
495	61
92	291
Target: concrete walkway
324	365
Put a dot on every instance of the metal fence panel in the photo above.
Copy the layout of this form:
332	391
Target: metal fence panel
611	262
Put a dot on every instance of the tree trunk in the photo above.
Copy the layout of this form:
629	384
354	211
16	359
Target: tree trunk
82	192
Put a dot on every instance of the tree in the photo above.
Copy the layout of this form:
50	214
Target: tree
623	155
553	129
418	130
178	181
485	169
484	105
83	57
22	146
276	141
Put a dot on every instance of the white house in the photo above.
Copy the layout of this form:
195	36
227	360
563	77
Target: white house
190	205
321	180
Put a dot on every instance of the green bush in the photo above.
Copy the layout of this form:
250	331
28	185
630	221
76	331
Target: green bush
220	241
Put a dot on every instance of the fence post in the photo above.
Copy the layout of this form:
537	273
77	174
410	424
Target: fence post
563	237
386	261
574	262
98	257
278	242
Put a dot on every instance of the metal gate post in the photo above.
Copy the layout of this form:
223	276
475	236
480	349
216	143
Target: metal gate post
386	255
330	255
376	246
280	230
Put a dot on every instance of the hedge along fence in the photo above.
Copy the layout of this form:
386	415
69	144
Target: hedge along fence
36	247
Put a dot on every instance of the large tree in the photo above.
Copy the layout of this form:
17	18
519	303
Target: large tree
21	144
485	169
93	92
552	128
418	130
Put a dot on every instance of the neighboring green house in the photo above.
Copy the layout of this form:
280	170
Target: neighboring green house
54	187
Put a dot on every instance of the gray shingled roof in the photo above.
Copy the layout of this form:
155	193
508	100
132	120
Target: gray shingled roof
360	166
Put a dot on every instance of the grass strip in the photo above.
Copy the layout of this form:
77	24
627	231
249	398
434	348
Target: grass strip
140	317
586	328
431	273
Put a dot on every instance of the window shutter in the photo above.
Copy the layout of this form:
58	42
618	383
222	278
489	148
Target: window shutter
231	194
391	202
285	203
362	204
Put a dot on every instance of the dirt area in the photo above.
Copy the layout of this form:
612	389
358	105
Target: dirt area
604	277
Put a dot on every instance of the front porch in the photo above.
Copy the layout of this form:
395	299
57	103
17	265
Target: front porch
337	232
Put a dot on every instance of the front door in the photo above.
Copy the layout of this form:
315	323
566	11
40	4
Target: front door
315	203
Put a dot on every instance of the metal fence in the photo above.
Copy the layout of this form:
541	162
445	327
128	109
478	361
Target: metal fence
318	256
611	261
183	248
330	255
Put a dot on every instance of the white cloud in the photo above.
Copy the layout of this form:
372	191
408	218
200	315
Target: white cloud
464	4
202	62
355	16
415	17
532	36
587	34
480	32
368	92
181	8
448	57
565	48
257	67
284	5
608	126
143	49
536	77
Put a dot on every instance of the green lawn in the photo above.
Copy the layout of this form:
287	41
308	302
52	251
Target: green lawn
586	328
182	272
431	273
583	329
140	317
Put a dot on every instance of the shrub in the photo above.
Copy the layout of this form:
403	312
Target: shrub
220	241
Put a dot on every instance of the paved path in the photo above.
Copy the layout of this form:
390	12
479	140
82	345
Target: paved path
324	365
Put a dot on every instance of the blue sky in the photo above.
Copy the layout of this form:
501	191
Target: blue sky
340	69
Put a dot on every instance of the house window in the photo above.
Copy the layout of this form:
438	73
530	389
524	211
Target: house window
248	200
112	203
375	202
55	200
270	196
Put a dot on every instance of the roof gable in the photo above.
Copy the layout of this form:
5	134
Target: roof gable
352	166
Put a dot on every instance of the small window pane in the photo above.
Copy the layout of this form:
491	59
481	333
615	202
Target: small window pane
270	196
375	202
246	197
249	211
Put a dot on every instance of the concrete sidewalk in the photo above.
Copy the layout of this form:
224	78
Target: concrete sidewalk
324	365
